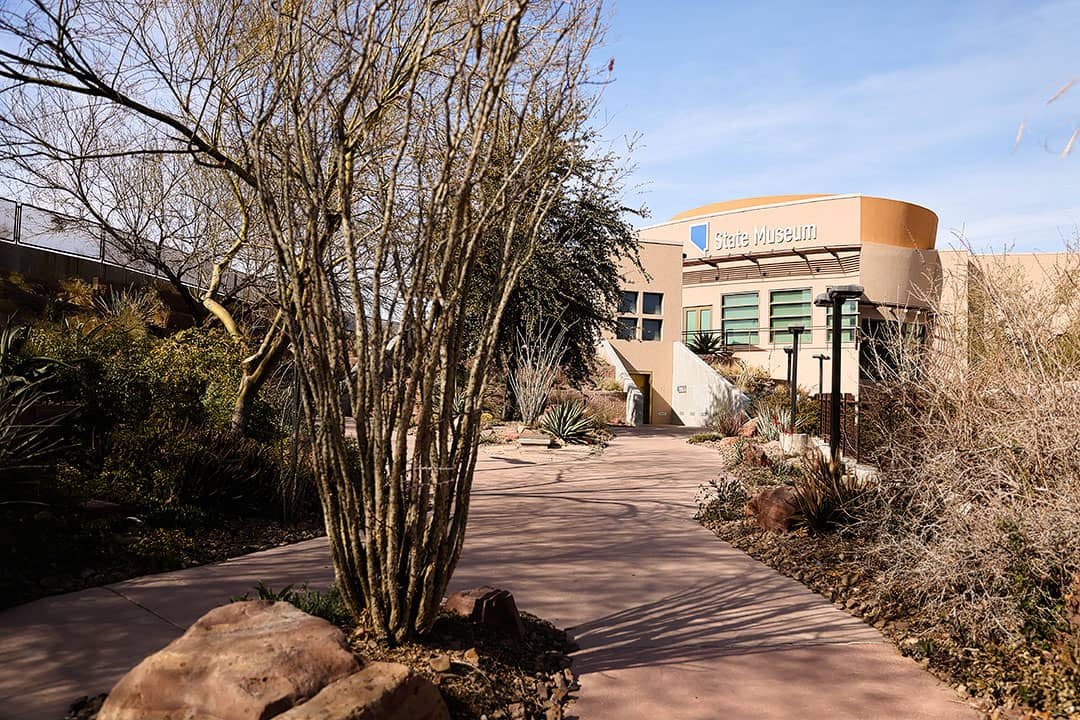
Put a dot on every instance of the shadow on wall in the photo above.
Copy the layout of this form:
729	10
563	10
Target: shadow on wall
701	394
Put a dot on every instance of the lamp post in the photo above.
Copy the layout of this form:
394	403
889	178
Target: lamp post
796	331
821	358
834	297
787	377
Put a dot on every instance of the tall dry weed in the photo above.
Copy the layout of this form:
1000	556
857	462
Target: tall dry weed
977	517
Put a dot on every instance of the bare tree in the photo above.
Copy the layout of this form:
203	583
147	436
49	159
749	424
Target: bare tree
381	144
159	212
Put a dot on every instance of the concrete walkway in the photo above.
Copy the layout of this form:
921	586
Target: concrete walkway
672	622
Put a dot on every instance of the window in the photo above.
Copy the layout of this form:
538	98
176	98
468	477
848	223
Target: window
699	236
652	303
650	329
626	328
628	302
696	320
789	308
849	320
739	315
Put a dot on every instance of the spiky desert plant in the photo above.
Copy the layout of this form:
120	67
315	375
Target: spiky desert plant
727	416
539	350
827	494
568	421
706	343
771	421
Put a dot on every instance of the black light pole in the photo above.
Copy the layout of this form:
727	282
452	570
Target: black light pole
835	298
796	331
787	351
821	358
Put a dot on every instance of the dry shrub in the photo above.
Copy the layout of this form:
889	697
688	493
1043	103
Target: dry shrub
978	514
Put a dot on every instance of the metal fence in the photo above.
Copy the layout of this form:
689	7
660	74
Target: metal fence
36	229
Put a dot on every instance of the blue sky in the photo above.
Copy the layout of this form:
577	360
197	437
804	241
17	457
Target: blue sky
917	101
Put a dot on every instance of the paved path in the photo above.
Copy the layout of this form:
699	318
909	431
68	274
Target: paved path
672	622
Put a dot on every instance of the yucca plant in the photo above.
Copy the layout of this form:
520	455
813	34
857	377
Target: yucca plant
706	343
23	444
827	494
568	422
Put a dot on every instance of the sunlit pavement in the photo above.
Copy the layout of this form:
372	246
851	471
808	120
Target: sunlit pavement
672	622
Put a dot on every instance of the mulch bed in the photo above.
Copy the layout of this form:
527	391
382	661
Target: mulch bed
1000	682
49	550
489	675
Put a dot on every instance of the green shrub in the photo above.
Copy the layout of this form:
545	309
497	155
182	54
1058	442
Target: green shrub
568	422
699	438
721	500
827	494
155	465
327	605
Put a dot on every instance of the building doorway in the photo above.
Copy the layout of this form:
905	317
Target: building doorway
644	384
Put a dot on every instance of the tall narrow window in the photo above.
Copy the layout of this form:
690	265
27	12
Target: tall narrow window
849	320
740	318
788	308
696	321
628	302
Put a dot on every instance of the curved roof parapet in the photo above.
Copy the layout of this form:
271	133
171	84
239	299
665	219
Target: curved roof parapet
742	203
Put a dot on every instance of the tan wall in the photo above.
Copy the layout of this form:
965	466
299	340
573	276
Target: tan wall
900	277
663	262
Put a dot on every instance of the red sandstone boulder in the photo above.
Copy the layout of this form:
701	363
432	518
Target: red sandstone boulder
774	508
381	691
243	661
489	606
749	429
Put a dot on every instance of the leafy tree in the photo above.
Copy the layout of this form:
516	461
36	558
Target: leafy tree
573	279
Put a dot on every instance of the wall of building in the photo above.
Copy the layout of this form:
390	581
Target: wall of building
663	263
700	391
808	242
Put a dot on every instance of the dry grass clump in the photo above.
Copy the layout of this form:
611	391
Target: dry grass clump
977	518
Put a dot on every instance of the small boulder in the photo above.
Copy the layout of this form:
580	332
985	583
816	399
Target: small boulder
381	691
749	428
243	661
774	508
490	606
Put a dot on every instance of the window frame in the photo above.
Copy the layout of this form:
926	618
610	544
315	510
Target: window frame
622	302
752	336
807	317
659	329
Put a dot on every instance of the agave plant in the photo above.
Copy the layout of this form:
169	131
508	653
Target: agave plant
567	421
23	444
706	343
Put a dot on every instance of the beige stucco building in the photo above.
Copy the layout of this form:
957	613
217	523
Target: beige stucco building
750	270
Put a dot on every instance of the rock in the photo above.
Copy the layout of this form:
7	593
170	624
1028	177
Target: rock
490	606
471	656
440	663
101	507
773	508
773	451
243	661
517	711
749	428
381	691
1072	603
